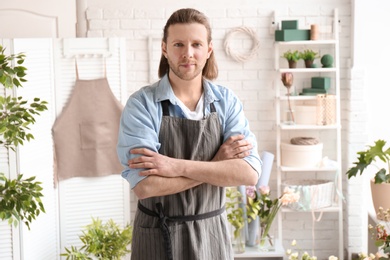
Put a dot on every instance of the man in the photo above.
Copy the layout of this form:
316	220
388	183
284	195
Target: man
182	140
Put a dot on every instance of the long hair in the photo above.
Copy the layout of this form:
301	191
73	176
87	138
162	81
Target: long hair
187	16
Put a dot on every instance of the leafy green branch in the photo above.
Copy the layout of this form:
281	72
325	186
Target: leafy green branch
20	199
368	157
235	214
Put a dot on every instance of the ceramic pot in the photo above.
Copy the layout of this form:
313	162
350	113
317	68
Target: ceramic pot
292	64
380	195
309	63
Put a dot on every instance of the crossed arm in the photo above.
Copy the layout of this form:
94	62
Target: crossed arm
170	175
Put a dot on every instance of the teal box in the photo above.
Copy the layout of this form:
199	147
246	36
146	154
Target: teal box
291	24
320	83
292	35
313	91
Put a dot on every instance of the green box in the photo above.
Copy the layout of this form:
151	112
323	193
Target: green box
320	83
292	35
290	24
314	91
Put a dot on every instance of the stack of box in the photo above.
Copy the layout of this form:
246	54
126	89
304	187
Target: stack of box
319	85
290	32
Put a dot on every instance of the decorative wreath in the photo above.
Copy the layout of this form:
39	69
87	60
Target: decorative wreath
240	57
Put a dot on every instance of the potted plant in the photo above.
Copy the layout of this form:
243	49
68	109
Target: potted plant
309	56
102	241
20	199
292	58
380	184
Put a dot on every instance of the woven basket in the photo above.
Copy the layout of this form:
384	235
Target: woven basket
314	194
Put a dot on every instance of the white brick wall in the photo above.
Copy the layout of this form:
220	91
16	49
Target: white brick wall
252	81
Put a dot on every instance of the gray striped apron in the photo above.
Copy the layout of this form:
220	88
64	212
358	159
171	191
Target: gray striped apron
190	225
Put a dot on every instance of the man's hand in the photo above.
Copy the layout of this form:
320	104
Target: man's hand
234	147
154	163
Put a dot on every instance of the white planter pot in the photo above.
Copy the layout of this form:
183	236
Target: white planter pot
380	195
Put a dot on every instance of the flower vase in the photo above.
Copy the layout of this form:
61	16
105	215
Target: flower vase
252	238
238	241
266	238
267	243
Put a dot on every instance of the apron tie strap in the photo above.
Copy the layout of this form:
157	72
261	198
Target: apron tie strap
162	221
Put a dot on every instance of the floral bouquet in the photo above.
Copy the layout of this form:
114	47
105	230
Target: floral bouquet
260	204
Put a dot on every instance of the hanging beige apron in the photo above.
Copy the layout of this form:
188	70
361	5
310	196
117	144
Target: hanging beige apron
190	225
86	133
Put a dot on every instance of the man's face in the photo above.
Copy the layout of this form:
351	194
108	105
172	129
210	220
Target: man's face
186	50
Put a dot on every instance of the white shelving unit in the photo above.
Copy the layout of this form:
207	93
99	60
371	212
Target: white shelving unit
331	133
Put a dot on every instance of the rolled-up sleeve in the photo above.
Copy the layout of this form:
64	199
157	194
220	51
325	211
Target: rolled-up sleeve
138	128
236	123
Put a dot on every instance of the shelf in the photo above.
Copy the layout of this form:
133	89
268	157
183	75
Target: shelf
330	134
334	208
330	166
306	70
309	127
319	42
299	98
254	253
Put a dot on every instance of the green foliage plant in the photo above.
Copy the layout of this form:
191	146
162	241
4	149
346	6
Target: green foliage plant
235	214
309	55
103	241
20	199
368	157
292	55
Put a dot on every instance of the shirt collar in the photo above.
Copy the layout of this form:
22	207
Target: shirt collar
164	91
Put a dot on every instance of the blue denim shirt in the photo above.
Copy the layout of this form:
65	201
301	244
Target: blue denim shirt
141	119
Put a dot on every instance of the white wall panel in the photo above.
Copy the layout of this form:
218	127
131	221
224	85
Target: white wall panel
35	157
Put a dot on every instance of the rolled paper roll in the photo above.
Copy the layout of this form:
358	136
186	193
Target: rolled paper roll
266	169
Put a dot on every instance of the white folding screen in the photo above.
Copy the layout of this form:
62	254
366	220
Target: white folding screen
71	204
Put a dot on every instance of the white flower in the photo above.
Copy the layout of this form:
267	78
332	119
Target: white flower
332	257
294	243
264	190
293	256
288	252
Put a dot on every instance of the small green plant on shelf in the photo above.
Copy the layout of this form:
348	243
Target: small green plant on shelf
292	55
309	56
102	241
292	58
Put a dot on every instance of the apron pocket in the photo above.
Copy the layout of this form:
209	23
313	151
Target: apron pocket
94	135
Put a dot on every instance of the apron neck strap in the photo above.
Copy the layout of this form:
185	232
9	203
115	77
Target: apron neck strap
165	107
